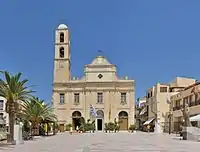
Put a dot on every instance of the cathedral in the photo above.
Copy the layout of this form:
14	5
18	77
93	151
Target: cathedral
111	97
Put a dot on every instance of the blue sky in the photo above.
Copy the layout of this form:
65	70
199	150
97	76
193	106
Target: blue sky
148	40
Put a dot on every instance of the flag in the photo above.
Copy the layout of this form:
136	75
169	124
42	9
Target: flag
93	111
168	100
109	114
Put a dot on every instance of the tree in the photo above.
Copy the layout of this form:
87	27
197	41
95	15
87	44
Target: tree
37	112
13	90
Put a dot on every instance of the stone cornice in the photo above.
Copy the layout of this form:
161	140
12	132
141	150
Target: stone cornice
95	66
88	83
62	59
63	29
92	90
62	43
76	108
59	108
123	108
101	71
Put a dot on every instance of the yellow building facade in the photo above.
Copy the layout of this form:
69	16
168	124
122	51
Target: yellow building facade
113	98
158	102
190	96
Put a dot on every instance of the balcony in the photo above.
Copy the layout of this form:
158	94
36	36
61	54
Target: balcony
197	103
123	103
191	104
76	103
177	108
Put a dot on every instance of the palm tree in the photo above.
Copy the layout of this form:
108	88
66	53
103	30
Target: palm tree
36	112
13	90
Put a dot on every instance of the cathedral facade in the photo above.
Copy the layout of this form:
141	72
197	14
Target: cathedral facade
111	97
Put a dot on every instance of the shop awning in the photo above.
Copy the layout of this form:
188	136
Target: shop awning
143	111
195	118
2	122
149	121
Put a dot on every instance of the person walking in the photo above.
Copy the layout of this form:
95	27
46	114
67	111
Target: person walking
71	130
148	128
77	128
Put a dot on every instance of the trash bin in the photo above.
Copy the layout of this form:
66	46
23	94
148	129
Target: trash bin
184	134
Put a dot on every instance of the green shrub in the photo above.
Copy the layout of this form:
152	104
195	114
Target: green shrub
110	126
67	127
132	127
89	126
106	127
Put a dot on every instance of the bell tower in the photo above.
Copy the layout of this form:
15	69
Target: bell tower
62	60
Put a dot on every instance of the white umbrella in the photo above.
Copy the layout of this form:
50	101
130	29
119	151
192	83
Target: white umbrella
195	118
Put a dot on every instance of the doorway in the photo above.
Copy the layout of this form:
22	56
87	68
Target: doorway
123	123
99	124
62	128
123	120
76	119
76	122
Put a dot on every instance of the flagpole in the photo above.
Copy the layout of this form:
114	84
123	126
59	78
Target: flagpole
109	113
170	112
93	114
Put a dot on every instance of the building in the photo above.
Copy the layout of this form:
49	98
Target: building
112	97
141	102
3	113
141	113
190	96
158	100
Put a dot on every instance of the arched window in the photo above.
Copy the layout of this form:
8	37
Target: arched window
100	114
62	52
76	114
62	37
123	114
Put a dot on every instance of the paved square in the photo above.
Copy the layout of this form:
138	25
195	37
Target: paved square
110	142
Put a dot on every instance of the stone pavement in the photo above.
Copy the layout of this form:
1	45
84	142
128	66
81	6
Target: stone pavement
110	142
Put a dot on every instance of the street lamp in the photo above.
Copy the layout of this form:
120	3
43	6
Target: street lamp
170	117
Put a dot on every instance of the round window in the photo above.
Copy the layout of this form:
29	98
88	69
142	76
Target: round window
100	76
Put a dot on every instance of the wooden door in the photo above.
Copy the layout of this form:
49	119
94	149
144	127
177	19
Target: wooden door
123	125
62	128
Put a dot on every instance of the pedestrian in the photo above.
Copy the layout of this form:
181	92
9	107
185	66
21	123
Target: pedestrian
148	128
77	128
71	130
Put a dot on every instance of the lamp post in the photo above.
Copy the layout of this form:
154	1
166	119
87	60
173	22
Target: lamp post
170	117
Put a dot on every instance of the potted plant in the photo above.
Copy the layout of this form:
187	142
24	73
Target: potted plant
106	127
132	128
67	127
111	126
116	126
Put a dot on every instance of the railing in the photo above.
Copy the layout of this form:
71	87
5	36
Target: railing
177	108
191	104
76	103
197	102
123	103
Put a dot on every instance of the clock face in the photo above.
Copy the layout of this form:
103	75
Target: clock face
61	65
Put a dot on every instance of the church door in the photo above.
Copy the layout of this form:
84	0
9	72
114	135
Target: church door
123	120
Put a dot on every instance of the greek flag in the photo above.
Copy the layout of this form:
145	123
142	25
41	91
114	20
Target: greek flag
93	111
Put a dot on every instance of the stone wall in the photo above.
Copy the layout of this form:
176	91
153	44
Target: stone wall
193	133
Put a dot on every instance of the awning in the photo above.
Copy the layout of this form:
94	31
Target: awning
195	118
2	122
149	121
143	111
